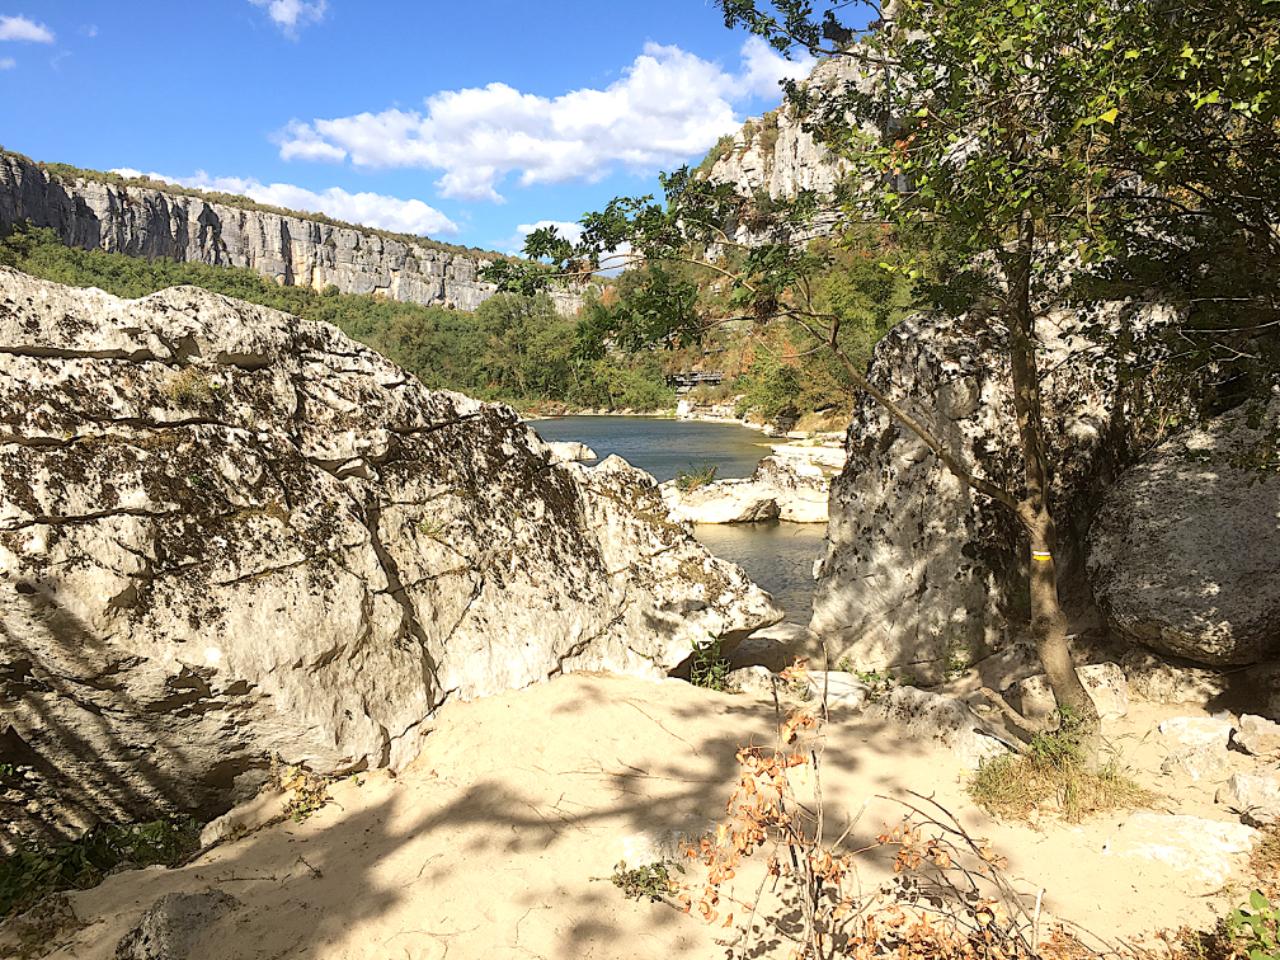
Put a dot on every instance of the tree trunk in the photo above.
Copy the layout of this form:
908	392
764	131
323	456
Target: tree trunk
1048	622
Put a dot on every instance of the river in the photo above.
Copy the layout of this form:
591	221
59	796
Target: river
778	556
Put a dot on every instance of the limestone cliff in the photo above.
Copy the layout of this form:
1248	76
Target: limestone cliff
291	250
775	156
228	534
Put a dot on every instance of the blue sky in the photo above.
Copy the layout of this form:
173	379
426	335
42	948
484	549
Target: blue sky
464	121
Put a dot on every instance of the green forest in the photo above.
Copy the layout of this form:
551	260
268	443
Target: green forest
516	347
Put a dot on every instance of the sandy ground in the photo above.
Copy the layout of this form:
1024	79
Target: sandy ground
499	840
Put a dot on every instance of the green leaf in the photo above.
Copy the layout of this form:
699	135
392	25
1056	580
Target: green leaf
1109	116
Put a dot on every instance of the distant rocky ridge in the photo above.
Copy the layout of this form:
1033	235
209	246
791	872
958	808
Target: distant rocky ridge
291	250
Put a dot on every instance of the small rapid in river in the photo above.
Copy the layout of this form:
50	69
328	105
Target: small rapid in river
778	556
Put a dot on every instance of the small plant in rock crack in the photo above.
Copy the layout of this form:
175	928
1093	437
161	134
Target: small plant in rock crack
695	477
431	528
1258	928
309	792
650	881
709	668
189	387
878	684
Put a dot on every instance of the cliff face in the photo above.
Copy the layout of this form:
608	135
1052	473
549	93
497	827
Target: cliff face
774	155
293	251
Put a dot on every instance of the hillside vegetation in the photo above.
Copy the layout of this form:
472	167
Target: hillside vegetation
517	348
512	348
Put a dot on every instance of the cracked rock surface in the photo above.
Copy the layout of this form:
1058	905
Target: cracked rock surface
1183	554
922	574
226	534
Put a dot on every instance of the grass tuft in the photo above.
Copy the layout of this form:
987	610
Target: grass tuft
695	477
1053	769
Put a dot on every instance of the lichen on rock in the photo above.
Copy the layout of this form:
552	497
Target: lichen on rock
226	533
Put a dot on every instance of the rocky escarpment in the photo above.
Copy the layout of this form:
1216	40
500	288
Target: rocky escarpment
773	157
922	573
291	250
1184	556
228	535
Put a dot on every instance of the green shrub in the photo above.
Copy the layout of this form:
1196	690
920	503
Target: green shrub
651	881
1258	927
40	869
709	668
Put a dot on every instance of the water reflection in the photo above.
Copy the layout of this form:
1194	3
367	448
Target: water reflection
778	556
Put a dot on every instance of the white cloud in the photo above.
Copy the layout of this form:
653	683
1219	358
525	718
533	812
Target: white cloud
289	15
763	68
7	63
668	107
367	209
570	231
20	28
89	30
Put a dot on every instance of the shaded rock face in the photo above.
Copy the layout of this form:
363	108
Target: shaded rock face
1184	556
293	251
174	924
921	573
227	533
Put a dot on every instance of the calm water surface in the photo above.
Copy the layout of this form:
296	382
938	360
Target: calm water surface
778	556
664	447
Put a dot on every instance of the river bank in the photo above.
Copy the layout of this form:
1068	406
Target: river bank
827	427
777	555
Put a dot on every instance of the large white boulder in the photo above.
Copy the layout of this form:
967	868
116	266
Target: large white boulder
921	572
1183	554
228	534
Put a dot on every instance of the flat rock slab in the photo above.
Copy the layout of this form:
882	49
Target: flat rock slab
1258	736
1255	796
1184	732
1203	852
